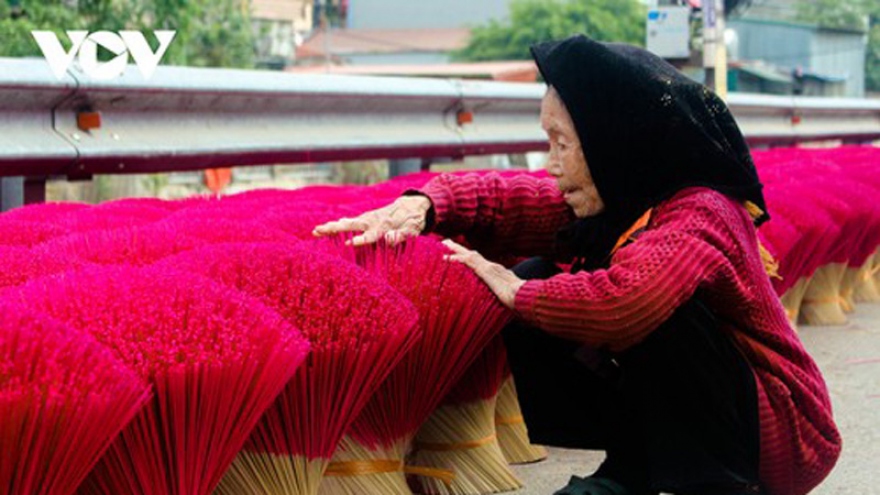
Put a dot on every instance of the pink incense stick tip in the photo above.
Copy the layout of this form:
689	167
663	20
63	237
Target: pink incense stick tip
484	377
26	233
299	219
63	398
129	245
112	215
218	230
22	264
156	319
265	198
46	356
49	212
329	299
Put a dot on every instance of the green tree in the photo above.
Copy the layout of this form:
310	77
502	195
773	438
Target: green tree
15	32
862	15
872	62
210	33
532	21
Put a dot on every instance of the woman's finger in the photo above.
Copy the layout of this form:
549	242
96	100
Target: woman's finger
397	236
454	246
368	237
342	225
326	228
501	281
335	227
461	254
457	258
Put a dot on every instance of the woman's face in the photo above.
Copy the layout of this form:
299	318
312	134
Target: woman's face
566	162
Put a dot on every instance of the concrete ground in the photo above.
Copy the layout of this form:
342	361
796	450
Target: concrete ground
849	356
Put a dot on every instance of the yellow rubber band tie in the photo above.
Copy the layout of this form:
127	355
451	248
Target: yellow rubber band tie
445	447
447	476
509	420
360	468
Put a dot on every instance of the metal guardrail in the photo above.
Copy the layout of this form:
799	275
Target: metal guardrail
191	118
784	120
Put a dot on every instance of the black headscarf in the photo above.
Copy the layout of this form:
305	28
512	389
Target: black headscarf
647	131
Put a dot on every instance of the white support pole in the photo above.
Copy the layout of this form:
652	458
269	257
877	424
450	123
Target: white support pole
714	48
721	52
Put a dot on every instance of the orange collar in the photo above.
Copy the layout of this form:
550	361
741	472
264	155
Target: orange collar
640	224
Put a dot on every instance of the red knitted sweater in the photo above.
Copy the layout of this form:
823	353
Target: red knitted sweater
699	240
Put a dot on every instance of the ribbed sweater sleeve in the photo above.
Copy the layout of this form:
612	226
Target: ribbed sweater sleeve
682	250
518	215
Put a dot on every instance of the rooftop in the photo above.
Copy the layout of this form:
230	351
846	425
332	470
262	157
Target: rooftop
514	71
372	41
278	10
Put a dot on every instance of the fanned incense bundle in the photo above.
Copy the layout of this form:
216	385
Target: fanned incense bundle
27	233
112	215
267	197
864	240
329	194
298	219
213	209
397	185
817	235
220	230
216	359
859	230
876	269
394	187
781	239
793	298
850	286
21	264
63	399
820	180
806	257
359	328
49	212
125	245
460	434
866	288
814	230
862	163
822	303
139	203
513	435
458	318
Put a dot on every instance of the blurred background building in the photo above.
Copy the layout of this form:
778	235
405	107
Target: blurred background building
400	37
279	26
806	47
771	49
772	52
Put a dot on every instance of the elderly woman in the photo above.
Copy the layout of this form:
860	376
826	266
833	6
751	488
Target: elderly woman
664	343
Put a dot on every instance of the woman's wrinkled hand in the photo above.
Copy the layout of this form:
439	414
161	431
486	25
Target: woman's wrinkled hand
501	281
405	217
